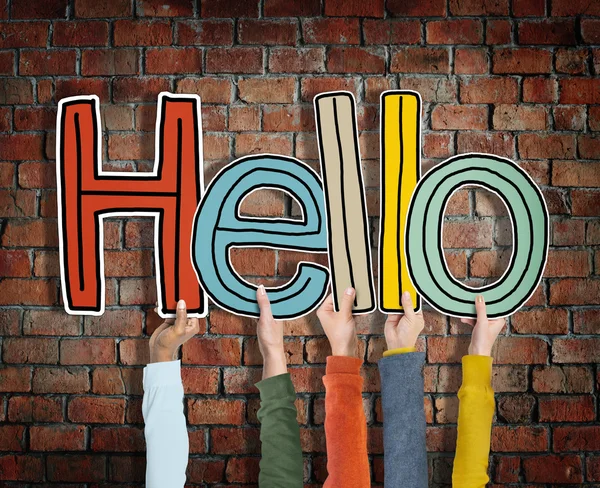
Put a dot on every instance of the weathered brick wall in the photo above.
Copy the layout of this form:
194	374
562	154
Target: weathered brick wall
517	78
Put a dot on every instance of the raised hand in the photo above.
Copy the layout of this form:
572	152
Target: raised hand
403	330
339	327
270	337
171	334
485	331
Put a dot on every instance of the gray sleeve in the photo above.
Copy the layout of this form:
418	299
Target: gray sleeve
405	452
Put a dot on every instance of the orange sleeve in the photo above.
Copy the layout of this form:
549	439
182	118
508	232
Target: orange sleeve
345	425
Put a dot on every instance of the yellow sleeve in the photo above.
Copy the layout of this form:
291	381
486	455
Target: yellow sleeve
475	415
398	350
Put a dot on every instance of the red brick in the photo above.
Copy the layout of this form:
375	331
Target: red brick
459	117
57	437
590	31
35	119
560	32
30	34
142	33
464	31
234	60
579	90
489	90
75	468
234	440
35	409
209	351
15	91
539	90
7	67
570	8
529	8
515	409
584	438
60	380
205	33
69	34
138	89
272	90
470	61
231	412
479	7
568	232
284	8
27	292
12	438
589	147
522	61
156	8
566	409
417	8
586	322
541	321
562	379
593	468
539	146
262	143
571	61
205	470
173	60
22	467
118	322
120	439
585	203
268	32
47	62
576	350
519	439
520	117
332	31
310	87
420	60
228	8
102	62
520	350
353	8
569	117
355	59
15	379
554	469
52	9
507	468
15	263
498	31
24	350
10	322
563	263
93	409
87	351
293	60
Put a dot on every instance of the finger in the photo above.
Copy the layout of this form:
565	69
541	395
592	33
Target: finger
467	321
327	305
497	325
263	303
193	327
393	319
407	305
180	317
480	309
159	329
347	302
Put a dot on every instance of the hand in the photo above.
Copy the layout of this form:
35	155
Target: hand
171	334
403	330
270	337
485	331
339	327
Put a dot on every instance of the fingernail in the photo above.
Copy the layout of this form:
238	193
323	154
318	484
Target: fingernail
479	298
406	295
262	290
181	304
349	291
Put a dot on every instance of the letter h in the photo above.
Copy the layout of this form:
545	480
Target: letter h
87	195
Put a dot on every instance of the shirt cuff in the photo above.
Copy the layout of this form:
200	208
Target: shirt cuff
477	370
167	373
343	364
398	350
276	387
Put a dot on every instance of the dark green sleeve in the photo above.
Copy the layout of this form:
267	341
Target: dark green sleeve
281	462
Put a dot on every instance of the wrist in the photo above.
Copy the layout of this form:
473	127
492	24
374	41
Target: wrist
479	351
274	363
344	351
162	355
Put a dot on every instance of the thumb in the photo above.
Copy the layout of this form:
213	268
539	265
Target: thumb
180	317
347	301
263	303
407	305
480	309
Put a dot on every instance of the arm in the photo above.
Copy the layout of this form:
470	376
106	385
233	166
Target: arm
475	414
402	389
345	422
167	443
281	463
476	403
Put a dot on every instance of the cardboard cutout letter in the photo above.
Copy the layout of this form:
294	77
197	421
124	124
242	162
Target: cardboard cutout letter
218	227
400	141
347	223
424	250
87	195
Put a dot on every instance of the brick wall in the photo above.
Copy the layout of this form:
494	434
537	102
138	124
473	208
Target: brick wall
516	78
